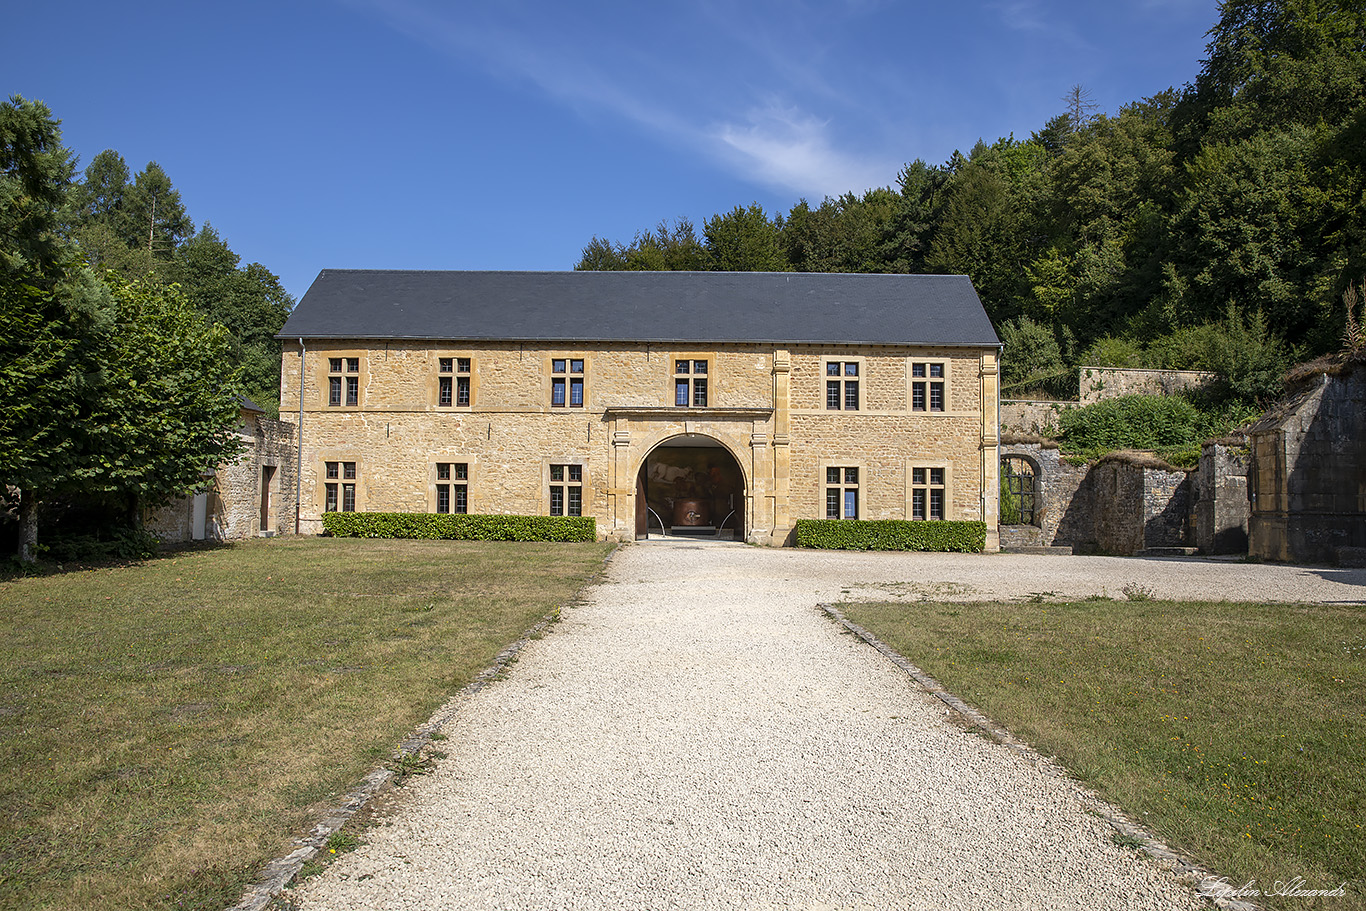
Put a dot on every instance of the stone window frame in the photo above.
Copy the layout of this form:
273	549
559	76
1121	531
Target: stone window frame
859	486
928	466
342	379
710	383
568	376
548	481
451	480
455	374
861	382
332	489
912	381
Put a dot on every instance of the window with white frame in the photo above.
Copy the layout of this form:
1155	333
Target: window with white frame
842	385
340	487
690	383
928	492
453	382
927	385
566	382
566	490
841	492
452	487
343	381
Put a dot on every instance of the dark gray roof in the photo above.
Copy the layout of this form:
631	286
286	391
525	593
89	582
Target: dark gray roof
764	307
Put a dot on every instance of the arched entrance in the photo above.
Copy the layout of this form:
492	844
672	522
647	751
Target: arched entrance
690	485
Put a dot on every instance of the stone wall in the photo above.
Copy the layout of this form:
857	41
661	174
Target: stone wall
1098	383
766	407
1307	472
1119	505
254	495
1221	503
1033	417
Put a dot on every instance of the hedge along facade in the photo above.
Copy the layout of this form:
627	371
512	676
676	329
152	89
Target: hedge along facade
521	391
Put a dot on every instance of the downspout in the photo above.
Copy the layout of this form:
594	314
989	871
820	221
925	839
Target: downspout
299	471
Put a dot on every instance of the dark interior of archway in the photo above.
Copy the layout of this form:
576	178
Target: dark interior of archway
689	486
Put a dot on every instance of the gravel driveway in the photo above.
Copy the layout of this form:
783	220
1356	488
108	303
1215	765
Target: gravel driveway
699	735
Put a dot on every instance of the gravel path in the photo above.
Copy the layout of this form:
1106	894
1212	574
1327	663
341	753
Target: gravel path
699	735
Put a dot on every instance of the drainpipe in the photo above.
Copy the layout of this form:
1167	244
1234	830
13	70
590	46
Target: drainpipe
299	471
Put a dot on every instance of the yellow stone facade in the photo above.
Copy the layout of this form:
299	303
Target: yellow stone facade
766	406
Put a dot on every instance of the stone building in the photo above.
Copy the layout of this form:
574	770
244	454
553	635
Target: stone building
726	403
1307	474
253	495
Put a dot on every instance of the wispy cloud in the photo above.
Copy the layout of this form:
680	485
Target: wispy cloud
745	127
1030	17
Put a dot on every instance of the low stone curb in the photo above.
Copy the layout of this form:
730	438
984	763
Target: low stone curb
279	873
1210	886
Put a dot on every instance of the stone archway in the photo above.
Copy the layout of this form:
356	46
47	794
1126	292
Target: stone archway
690	484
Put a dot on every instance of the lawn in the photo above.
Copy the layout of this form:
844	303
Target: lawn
169	726
1236	732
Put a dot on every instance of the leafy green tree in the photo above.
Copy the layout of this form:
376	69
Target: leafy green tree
163	420
745	240
249	301
1031	357
55	316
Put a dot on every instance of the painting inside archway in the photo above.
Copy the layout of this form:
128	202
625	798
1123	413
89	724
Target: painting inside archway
693	486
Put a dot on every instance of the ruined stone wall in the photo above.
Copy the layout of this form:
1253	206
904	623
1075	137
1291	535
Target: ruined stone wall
1221	503
766	407
1098	383
1033	417
1307	472
1114	506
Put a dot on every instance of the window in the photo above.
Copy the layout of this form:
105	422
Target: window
1018	495
566	382
340	495
841	385
343	377
927	493
452	487
841	493
453	382
927	386
566	490
690	383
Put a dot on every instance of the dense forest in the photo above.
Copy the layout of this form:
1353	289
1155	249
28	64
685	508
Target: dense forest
1216	226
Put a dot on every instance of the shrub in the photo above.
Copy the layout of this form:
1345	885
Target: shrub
1172	426
440	526
891	534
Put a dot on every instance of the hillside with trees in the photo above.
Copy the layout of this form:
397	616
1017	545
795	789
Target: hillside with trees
1213	227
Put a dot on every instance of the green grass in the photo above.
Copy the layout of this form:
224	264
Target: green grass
1237	732
167	727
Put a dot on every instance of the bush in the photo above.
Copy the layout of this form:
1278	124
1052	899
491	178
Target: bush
1170	425
891	534
441	526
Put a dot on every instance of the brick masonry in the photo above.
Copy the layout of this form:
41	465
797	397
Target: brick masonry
766	408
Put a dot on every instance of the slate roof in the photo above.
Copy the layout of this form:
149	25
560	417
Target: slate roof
675	307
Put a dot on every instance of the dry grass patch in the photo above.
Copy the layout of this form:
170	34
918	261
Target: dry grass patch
168	727
1237	732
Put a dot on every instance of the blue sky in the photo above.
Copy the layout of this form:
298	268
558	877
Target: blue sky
504	135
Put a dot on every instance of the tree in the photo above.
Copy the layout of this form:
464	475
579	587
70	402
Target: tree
665	249
745	240
54	313
248	300
164	418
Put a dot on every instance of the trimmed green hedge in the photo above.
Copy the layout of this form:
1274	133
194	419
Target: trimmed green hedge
891	534
452	527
